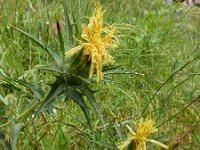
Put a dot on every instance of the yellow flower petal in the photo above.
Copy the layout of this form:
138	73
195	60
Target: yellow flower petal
95	42
125	143
143	129
74	50
158	143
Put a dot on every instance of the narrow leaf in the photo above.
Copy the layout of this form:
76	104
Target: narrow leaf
61	41
90	95
10	84
78	98
104	145
119	132
56	89
38	93
68	26
2	72
49	67
16	127
77	33
5	102
55	55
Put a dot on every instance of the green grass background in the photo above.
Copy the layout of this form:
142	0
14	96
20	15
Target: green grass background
156	40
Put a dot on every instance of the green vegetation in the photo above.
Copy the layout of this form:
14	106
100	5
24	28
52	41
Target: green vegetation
47	102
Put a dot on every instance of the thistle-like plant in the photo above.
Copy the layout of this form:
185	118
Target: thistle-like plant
71	71
95	43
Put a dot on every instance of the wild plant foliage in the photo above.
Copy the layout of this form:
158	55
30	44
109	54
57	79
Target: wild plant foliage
99	75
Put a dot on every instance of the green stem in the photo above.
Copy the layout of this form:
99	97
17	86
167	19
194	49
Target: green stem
170	77
25	113
184	108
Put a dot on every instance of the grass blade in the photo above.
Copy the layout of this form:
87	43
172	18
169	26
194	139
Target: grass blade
6	145
16	127
68	26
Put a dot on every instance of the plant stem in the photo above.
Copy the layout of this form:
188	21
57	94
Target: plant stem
31	109
184	108
171	77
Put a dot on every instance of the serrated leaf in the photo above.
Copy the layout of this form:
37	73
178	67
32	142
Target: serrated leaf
90	95
54	54
56	89
78	98
81	84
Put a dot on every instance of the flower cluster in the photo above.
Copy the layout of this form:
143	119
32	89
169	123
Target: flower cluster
96	40
143	129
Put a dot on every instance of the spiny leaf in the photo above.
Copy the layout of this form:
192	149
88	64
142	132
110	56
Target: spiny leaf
56	89
49	67
75	61
81	84
90	95
33	88
78	98
55	55
38	93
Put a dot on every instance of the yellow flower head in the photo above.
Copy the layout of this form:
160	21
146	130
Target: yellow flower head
96	39
143	130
